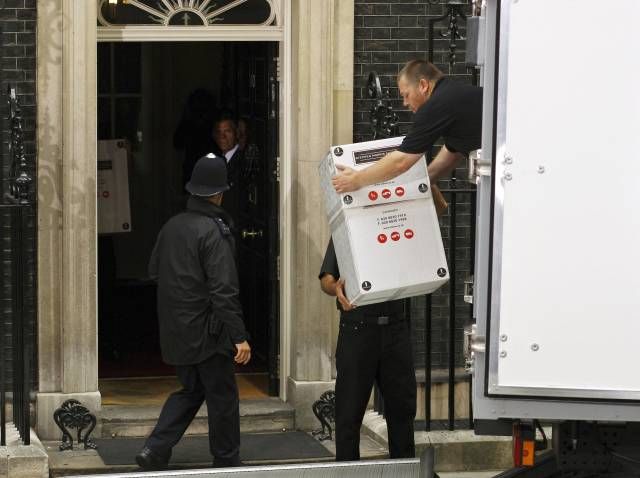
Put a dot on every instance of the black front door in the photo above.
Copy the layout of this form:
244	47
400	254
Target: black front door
256	94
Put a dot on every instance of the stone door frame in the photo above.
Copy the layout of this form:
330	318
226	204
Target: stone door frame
258	33
316	107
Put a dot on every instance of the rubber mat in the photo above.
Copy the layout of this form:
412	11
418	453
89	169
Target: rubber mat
254	447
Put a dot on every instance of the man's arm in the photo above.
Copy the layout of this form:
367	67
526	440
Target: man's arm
335	288
222	283
444	162
392	165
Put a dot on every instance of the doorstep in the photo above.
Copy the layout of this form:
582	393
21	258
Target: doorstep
456	451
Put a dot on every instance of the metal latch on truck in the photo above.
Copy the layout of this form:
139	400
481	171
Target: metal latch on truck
473	343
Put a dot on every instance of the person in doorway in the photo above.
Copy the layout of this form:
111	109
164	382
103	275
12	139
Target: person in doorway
444	108
250	151
225	135
243	133
193	134
374	345
202	332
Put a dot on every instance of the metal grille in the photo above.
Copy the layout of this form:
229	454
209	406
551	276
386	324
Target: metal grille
17	212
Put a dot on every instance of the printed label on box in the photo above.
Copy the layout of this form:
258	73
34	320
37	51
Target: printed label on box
359	156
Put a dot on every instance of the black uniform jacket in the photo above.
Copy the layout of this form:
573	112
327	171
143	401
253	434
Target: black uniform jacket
199	307
454	112
393	308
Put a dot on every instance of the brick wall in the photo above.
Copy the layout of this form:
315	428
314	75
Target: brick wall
18	60
388	34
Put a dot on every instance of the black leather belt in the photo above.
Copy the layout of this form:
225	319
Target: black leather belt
372	320
385	313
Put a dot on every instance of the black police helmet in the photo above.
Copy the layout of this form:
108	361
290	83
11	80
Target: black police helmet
209	176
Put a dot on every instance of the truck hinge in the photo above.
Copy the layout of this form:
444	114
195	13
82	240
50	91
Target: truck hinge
473	343
478	166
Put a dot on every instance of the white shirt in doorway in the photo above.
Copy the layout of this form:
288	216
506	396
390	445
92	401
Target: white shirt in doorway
229	154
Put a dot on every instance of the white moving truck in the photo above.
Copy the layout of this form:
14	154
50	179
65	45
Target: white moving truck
557	287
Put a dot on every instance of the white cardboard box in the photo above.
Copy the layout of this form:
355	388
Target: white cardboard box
114	212
387	247
412	184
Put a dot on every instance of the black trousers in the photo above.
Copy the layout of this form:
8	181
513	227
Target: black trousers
380	353
214	381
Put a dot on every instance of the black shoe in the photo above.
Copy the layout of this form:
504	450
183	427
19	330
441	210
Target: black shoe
227	462
149	460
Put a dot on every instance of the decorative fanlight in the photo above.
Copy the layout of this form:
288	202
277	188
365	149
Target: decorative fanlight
186	12
113	6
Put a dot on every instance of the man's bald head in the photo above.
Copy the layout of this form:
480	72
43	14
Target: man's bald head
417	70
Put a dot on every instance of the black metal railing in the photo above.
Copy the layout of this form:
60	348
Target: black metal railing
17	211
456	196
454	193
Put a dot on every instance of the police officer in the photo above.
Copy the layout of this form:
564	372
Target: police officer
201	325
374	345
443	108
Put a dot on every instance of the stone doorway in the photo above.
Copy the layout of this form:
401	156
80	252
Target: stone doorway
148	97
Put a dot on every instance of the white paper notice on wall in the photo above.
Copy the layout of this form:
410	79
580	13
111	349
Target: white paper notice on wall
114	210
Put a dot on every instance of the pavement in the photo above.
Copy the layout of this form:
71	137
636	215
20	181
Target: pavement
86	462
455	451
459	454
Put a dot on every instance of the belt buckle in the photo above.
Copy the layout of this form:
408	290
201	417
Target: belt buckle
383	320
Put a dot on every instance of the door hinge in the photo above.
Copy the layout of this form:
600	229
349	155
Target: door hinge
278	268
274	82
252	80
278	72
277	171
478	166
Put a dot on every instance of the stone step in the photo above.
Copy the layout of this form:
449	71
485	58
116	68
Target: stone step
260	415
455	451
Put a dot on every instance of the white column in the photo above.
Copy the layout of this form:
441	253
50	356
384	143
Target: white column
67	302
322	73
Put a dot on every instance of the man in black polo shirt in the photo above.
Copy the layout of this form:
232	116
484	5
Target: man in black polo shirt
374	344
443	108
